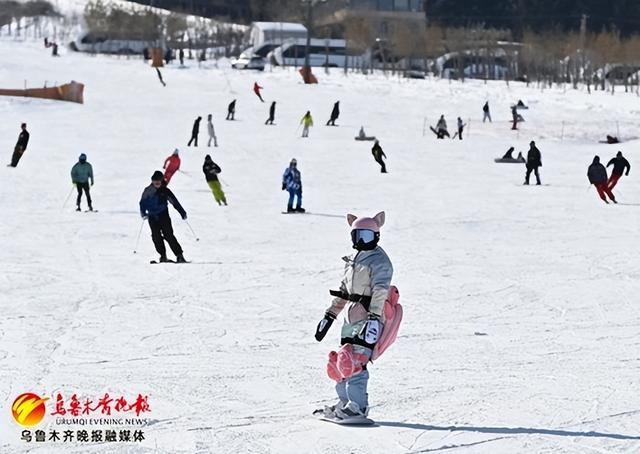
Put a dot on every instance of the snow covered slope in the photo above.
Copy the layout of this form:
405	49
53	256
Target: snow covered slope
521	313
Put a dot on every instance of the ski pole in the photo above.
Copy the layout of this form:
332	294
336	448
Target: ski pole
190	228
186	173
138	239
223	182
67	199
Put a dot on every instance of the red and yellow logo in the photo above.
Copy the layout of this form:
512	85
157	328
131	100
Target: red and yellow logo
28	409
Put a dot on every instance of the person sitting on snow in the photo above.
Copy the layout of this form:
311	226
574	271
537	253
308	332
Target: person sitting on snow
441	128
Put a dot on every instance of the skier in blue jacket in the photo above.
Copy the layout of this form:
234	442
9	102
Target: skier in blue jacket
292	182
154	207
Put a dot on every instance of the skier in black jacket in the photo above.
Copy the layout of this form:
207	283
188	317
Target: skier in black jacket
534	161
335	113
620	164
231	110
154	207
597	175
194	132
272	114
377	153
21	146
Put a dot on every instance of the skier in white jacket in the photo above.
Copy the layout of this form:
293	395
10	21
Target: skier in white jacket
362	295
212	131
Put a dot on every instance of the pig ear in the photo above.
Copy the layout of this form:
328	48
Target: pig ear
351	218
379	218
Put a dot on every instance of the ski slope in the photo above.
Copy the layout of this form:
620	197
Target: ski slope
521	313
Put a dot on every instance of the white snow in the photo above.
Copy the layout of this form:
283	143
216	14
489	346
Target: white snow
521	318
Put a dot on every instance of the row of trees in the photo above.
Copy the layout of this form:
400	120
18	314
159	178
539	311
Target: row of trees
173	30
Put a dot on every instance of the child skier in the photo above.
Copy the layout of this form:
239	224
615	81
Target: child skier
211	131
306	122
292	182
171	165
461	126
154	207
81	173
363	292
256	90
211	171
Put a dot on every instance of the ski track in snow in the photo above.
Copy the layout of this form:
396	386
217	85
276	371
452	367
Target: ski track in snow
521	327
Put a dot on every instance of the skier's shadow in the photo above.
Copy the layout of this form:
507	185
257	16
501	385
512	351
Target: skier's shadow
509	430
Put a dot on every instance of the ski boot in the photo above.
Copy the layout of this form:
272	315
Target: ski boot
329	411
351	411
78	208
180	259
90	208
290	210
300	210
163	259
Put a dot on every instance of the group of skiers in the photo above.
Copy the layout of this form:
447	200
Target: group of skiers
195	131
597	175
442	131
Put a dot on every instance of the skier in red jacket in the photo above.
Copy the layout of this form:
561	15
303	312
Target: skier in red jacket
256	90
171	165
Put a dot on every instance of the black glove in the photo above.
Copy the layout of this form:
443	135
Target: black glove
324	325
371	330
284	186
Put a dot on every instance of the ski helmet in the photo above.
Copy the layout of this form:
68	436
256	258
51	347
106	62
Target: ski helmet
82	157
176	152
157	176
293	162
365	232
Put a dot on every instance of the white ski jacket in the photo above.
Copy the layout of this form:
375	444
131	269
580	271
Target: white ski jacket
366	273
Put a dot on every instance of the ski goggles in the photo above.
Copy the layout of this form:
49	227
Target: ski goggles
362	235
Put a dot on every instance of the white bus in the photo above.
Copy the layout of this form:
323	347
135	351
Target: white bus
322	52
261	33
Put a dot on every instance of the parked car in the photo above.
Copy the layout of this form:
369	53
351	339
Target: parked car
249	60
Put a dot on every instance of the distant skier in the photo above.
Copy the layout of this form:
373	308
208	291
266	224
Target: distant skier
231	110
256	90
362	295
515	118
486	113
461	126
212	131
306	122
181	57
597	175
378	154
21	145
211	171
335	113
194	132
292	182
154	208
534	161
272	114
171	166
81	174
620	164
441	128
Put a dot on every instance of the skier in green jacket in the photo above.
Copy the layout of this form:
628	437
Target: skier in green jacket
81	174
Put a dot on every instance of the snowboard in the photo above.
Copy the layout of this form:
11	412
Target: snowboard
323	416
357	422
155	262
295	212
509	161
